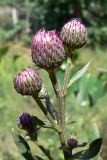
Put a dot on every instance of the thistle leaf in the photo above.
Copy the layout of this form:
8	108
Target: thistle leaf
89	153
22	146
38	121
78	75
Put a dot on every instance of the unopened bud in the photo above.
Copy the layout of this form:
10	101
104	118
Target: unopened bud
28	82
25	121
72	143
74	34
47	50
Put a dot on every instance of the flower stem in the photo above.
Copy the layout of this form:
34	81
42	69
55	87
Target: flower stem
62	140
66	75
61	108
59	95
54	83
43	109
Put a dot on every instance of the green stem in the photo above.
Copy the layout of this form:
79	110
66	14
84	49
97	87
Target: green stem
45	151
62	140
60	98
54	83
61	108
48	116
66	75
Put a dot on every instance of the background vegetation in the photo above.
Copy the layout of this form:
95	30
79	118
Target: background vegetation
87	98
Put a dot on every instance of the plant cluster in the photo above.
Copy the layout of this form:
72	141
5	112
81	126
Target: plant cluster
48	53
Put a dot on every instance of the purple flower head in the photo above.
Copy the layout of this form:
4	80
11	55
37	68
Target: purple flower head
25	121
74	34
47	50
27	82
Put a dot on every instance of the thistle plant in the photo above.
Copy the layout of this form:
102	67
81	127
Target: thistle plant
48	53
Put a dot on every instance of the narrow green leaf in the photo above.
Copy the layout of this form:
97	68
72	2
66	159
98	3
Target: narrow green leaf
20	142
38	121
78	75
91	152
95	146
22	146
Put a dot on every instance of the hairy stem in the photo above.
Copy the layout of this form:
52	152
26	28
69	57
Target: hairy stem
54	82
61	108
59	95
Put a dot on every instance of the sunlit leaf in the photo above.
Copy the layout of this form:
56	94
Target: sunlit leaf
78	75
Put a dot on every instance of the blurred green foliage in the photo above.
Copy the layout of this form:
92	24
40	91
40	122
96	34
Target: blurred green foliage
51	14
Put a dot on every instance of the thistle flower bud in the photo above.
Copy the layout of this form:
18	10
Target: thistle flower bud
74	34
27	82
72	143
47	49
25	121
